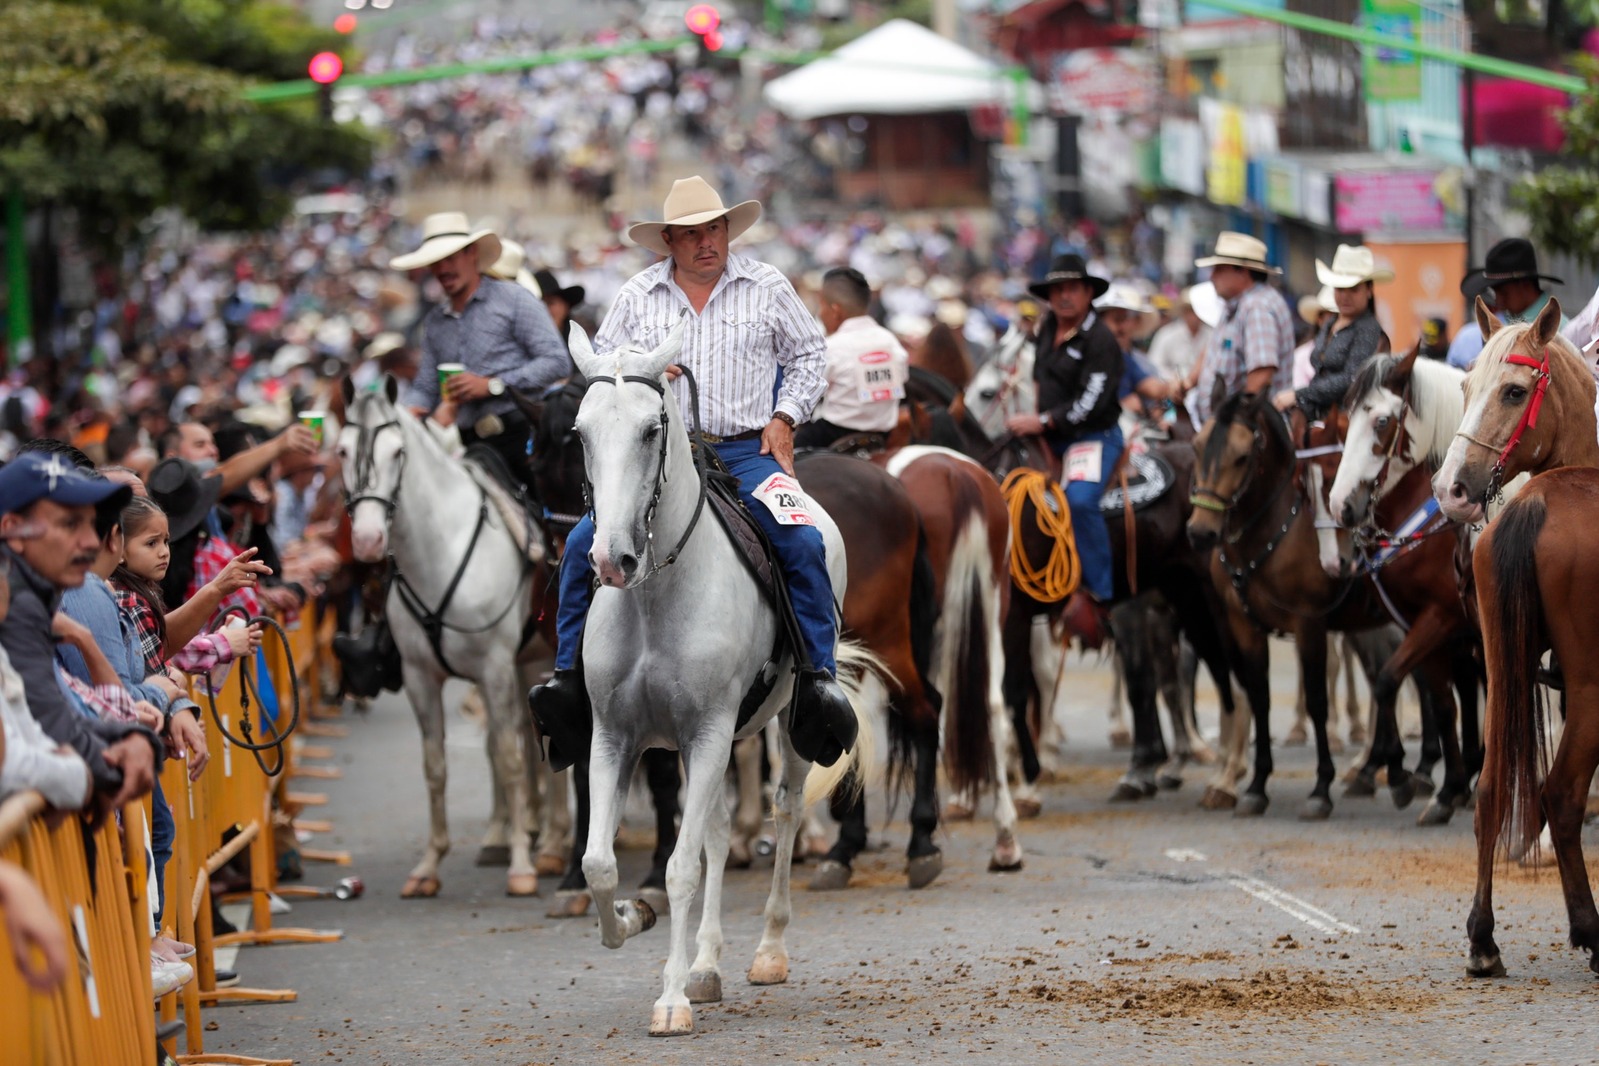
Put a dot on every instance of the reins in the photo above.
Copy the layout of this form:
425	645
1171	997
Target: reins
248	686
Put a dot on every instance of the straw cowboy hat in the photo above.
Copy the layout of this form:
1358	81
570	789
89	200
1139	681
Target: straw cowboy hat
508	267
692	202
1068	268
445	234
1311	308
1512	259
1238	249
1351	265
1122	296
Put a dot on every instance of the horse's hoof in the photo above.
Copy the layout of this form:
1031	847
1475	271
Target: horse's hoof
1126	792
1485	966
672	1021
1436	813
628	910
1169	782
1215	799
1120	738
1360	787
830	876
1296	737
704	986
1316	809
420	887
1250	805
569	903
494	855
1423	784
769	970
1028	808
656	900
1007	856
521	884
547	865
958	812
922	870
1404	793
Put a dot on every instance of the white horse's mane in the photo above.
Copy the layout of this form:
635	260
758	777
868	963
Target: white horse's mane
1439	405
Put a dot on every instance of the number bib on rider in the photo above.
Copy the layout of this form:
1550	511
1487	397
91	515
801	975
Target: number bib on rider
1083	461
874	379
788	503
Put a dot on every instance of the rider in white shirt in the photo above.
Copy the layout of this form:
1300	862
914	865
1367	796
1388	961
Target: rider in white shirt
867	367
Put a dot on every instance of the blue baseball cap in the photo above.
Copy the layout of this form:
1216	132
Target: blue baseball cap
34	476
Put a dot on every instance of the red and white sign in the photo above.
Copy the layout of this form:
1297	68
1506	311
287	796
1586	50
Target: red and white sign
1090	81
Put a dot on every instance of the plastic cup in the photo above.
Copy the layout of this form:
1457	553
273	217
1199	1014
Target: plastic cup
446	372
314	421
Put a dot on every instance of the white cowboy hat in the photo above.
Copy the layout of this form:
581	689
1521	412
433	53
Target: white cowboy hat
1351	265
1207	304
691	202
1123	296
1311	308
508	267
1238	249
445	234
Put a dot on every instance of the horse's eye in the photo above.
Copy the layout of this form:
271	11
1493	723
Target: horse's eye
1240	460
651	432
1515	393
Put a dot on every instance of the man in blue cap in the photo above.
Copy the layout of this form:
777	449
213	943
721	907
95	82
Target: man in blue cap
48	541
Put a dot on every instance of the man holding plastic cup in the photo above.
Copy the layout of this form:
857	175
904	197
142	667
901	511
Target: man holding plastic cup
487	338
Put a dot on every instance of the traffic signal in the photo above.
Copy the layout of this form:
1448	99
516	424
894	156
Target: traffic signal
325	69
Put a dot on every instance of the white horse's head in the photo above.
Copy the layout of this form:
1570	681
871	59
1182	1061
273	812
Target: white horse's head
627	421
372	453
1378	450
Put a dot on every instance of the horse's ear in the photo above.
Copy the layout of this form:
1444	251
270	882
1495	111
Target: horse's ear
583	357
347	390
391	388
1546	327
653	364
1218	392
1398	375
1487	321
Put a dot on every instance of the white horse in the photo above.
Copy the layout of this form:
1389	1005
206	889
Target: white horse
676	635
459	605
1003	385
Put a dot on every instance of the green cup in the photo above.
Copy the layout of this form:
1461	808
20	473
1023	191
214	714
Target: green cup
446	372
314	421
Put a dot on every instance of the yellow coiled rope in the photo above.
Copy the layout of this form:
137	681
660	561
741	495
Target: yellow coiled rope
1060	575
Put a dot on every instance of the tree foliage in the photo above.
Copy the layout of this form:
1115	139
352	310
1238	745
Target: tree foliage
1563	200
119	107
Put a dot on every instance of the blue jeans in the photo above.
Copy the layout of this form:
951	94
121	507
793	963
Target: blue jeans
799	549
1088	524
161	833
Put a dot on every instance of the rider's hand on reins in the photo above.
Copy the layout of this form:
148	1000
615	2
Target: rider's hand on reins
673	372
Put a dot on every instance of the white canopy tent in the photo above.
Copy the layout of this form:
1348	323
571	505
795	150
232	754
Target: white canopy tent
900	68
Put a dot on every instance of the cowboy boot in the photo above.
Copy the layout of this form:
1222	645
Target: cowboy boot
562	715
822	724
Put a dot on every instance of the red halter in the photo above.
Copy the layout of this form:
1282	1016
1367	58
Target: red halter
1529	416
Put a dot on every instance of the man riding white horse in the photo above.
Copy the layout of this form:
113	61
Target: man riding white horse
744	321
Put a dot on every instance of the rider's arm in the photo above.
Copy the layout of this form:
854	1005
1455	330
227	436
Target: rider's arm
547	361
1095	401
801	352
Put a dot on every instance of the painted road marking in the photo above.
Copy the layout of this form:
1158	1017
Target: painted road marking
1288	903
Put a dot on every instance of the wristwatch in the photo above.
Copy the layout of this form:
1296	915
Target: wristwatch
1045	421
784	416
496	387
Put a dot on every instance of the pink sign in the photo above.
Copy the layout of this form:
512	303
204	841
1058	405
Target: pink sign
1090	80
1389	201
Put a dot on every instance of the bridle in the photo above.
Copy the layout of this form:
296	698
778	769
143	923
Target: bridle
1528	420
660	469
365	460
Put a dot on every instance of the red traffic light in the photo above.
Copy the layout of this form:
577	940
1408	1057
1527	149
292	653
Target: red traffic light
702	19
325	68
345	23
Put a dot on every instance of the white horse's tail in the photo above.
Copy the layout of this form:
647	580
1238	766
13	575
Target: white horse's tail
968	661
863	676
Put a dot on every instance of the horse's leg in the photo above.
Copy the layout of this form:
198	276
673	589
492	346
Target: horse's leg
1435	674
1312	644
425	691
1251	660
502	691
1484	959
747	820
1135	668
1565	799
771	956
1466	688
1120	736
1007	849
1386	747
609	774
1019	685
1312	650
662	774
924	860
572	897
555	824
1048	672
495	850
705	766
1432	745
1166	651
848	808
1357	722
705	977
1297	734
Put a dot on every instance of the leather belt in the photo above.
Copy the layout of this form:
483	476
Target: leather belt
748	434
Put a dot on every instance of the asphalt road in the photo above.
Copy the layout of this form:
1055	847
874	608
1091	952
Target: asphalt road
1155	932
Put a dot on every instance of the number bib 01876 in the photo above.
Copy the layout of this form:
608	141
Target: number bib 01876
1083	461
788	503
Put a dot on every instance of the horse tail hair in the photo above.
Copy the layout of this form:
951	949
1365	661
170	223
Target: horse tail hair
865	679
1511	608
902	731
965	660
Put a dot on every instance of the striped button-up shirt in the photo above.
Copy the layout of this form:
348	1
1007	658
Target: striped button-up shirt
503	332
1256	331
753	323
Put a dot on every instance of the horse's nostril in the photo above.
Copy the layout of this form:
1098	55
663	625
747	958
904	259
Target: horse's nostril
629	564
1457	491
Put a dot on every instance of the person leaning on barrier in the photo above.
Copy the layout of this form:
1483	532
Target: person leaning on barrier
47	522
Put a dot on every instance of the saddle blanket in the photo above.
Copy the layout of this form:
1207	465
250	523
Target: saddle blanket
1149	477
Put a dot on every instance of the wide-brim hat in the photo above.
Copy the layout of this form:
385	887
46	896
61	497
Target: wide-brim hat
572	294
445	234
1512	259
510	266
1352	265
1068	268
1207	303
1124	297
1241	250
1311	308
186	496
692	202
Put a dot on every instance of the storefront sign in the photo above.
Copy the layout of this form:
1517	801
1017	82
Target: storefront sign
1392	74
1396	201
1182	155
1284	188
1315	196
1226	174
1091	81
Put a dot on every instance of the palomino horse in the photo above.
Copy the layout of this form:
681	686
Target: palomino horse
678	633
1529	407
468	577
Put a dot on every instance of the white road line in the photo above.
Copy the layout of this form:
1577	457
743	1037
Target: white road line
1286	902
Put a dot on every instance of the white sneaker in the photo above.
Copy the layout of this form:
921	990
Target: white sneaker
168	977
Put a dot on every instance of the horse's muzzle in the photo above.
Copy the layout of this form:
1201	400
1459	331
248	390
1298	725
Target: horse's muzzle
614	573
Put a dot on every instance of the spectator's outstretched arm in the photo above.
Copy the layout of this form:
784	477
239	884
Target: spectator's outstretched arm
237	471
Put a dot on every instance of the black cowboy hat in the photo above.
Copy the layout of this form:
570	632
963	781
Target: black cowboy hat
1068	268
573	295
1512	259
185	495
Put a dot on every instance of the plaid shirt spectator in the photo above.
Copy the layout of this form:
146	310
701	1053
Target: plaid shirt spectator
145	626
211	557
1255	332
109	703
